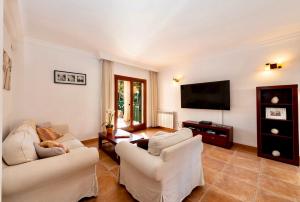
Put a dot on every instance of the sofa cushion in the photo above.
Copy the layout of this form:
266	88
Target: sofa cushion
66	137
18	146
43	152
61	128
30	122
163	140
48	134
73	144
30	127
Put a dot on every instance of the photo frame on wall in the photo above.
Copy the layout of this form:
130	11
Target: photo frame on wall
7	65
63	77
276	113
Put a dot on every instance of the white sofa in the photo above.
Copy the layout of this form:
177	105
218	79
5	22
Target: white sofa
68	177
169	177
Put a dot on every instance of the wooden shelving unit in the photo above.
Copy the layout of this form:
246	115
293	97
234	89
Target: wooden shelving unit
287	140
215	134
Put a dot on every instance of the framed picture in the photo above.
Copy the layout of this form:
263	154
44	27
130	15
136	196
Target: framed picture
7	64
64	77
276	113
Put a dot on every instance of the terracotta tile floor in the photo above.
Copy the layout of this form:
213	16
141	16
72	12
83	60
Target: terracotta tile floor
230	175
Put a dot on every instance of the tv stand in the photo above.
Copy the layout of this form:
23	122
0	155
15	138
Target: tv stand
215	134
205	122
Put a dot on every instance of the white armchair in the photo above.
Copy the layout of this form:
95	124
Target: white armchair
169	177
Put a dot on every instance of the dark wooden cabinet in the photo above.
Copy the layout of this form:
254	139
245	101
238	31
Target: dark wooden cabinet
277	123
215	134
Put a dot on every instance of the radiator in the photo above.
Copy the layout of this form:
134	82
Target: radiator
166	119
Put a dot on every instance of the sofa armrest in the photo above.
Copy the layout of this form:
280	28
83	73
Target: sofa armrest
62	128
149	165
35	173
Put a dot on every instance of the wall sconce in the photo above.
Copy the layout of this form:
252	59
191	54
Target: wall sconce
270	66
176	80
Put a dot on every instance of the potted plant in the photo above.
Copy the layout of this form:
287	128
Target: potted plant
109	123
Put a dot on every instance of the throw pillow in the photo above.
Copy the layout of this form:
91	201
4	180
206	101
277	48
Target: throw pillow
143	144
43	152
50	144
18	147
48	134
30	122
30	128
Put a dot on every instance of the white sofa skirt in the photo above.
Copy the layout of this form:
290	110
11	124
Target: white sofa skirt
145	189
68	189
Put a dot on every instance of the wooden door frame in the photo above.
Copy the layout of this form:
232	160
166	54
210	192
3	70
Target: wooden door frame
131	80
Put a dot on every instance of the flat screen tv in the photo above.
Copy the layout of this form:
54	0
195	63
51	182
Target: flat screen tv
210	95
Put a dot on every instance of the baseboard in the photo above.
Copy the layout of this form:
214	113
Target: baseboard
245	147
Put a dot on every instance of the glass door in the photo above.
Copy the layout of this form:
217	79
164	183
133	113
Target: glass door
130	102
138	104
123	104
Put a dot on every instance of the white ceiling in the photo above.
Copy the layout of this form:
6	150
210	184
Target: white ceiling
159	33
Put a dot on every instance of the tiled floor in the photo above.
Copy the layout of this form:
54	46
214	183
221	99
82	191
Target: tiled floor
230	175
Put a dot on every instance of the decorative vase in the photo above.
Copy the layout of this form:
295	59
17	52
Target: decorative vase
275	100
274	131
109	130
276	153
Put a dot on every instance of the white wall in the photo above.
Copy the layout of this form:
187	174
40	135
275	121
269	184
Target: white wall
1	76
126	70
36	96
245	69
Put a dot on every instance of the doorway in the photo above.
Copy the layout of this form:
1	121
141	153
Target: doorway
130	103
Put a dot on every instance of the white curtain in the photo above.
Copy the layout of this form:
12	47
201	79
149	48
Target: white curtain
107	90
153	98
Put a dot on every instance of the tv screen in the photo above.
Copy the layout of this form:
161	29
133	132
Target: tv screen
210	95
